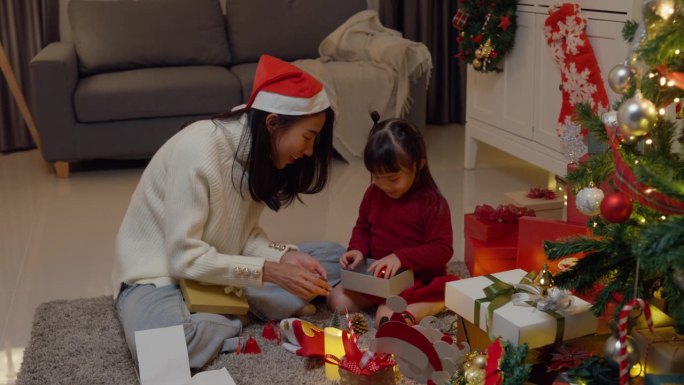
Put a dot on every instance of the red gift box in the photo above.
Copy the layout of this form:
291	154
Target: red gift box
532	232
487	258
489	231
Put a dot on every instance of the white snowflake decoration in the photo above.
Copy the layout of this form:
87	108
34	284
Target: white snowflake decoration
578	87
572	29
573	141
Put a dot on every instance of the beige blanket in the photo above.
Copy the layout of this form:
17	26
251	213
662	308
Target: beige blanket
364	67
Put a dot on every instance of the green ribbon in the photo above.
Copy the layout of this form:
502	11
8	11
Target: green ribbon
499	293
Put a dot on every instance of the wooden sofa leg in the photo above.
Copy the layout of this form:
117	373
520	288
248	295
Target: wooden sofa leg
61	169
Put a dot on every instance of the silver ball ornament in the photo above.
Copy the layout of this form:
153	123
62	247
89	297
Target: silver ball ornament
637	116
611	351
619	77
610	118
588	201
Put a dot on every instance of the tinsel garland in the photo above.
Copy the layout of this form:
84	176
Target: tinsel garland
486	32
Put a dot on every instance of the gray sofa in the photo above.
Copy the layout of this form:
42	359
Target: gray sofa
135	71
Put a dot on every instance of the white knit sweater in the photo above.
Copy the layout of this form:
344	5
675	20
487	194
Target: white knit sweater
187	220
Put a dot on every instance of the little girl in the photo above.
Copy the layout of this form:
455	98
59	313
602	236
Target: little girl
404	223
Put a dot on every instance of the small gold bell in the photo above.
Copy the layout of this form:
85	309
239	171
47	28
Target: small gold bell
544	280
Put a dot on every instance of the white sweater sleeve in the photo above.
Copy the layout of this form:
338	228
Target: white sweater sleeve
186	207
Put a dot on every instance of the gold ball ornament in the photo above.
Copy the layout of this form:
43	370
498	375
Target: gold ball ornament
480	361
478	53
475	376
477	63
637	116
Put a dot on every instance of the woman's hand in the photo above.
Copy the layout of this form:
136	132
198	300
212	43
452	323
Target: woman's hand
386	267
351	259
306	261
299	273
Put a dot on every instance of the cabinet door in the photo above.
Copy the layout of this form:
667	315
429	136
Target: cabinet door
505	99
610	49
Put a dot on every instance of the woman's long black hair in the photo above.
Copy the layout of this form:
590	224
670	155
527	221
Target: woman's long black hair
394	144
280	187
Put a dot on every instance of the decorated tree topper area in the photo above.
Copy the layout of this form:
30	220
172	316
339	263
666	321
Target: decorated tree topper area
486	32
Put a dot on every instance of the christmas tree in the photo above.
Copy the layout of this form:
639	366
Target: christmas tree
637	217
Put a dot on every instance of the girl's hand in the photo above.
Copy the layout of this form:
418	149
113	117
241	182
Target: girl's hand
386	267
351	259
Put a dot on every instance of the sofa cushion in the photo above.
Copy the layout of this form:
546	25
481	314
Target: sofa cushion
156	92
289	30
245	73
120	35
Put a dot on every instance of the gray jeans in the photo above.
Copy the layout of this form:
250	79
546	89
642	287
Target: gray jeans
142	307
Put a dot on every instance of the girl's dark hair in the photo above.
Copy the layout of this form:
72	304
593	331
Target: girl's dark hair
278	188
396	143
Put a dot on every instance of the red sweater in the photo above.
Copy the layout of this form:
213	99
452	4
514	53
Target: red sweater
415	227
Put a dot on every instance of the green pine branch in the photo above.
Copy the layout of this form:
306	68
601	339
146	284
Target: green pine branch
628	30
516	371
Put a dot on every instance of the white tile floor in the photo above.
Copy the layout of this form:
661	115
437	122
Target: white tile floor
57	235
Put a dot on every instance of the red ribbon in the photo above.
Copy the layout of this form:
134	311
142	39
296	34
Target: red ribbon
374	365
502	213
353	356
493	375
539	193
626	182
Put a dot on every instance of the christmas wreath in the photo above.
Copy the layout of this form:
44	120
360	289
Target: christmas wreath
487	31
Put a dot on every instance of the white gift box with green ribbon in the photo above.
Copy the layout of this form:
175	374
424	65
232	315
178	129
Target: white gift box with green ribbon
517	324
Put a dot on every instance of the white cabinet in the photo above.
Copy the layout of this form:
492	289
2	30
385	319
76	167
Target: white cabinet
517	110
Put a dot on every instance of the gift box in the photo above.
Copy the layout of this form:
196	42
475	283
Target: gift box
532	232
518	324
664	379
364	282
489	231
382	377
573	215
661	351
486	258
205	298
543	208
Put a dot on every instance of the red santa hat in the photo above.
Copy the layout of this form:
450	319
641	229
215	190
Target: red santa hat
282	88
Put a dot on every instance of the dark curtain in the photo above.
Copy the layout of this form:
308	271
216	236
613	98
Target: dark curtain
25	27
429	22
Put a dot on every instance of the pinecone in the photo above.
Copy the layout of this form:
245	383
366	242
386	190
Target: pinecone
359	324
312	363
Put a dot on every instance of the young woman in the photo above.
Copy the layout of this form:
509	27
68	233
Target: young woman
404	223
195	213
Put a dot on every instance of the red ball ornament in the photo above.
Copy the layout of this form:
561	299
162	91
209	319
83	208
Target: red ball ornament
493	55
616	207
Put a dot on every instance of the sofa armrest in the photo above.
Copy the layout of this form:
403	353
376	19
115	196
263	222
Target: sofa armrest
54	75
